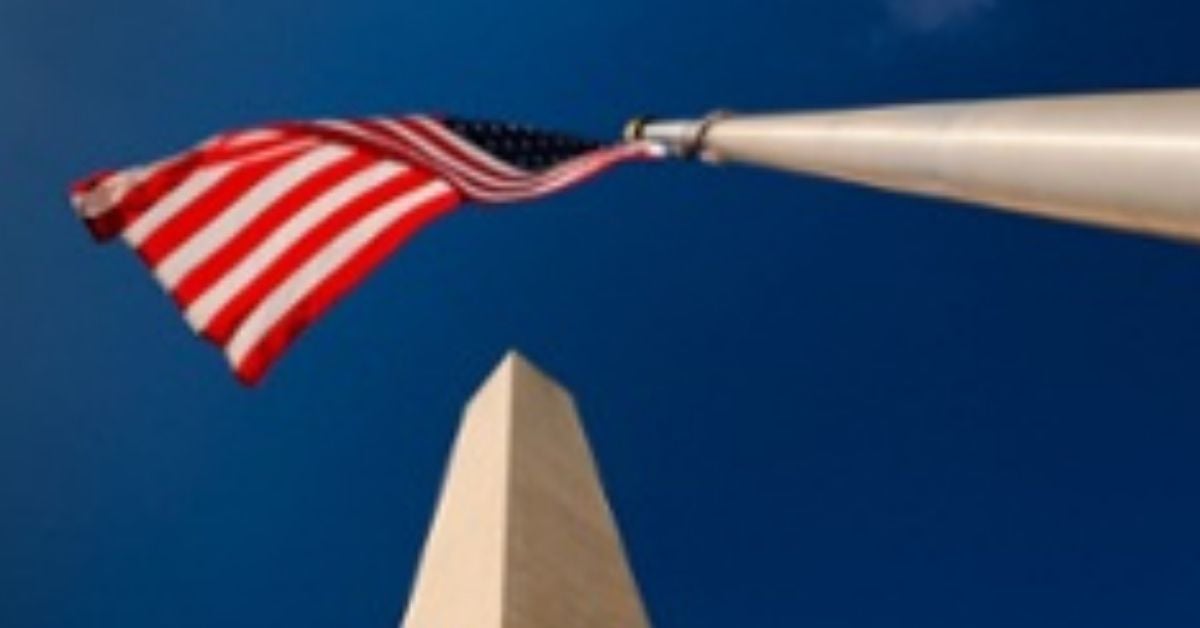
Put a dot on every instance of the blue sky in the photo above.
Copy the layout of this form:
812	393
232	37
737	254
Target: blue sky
814	405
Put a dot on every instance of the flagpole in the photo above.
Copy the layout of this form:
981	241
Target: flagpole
1125	161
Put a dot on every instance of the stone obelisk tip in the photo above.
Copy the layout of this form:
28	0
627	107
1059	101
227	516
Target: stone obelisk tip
523	536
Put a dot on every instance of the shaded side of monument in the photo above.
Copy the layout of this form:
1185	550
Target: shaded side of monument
523	536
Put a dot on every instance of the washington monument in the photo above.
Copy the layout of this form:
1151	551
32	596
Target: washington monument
523	536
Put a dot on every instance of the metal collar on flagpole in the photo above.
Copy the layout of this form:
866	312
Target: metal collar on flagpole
684	138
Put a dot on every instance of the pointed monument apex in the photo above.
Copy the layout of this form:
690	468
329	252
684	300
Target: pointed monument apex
523	536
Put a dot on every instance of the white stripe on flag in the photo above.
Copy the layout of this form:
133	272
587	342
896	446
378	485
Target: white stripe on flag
251	136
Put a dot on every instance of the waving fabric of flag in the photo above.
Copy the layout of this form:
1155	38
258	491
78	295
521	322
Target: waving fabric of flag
255	233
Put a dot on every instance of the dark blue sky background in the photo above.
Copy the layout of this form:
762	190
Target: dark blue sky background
814	405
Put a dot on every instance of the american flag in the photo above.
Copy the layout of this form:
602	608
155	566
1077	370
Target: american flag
256	232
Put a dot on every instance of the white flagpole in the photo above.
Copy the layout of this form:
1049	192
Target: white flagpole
1127	161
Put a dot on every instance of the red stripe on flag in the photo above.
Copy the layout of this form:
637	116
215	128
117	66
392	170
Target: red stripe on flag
222	151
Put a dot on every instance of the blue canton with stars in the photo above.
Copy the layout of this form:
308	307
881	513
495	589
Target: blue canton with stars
521	146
